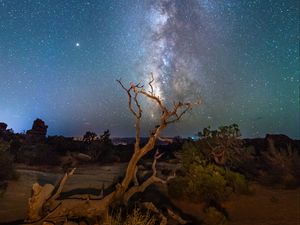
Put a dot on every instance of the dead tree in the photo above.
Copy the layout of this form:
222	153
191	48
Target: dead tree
51	208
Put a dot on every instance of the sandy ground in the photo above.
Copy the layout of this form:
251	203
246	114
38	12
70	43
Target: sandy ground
265	207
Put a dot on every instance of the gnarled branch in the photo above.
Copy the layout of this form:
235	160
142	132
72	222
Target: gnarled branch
152	179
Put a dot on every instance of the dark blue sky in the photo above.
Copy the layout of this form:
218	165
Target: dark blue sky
59	61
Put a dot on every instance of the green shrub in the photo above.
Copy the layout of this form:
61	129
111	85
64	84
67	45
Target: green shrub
191	154
203	180
222	146
207	183
236	181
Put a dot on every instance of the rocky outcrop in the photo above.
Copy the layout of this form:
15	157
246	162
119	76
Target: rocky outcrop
3	127
280	142
38	130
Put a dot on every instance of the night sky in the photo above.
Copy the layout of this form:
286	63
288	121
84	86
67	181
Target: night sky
59	61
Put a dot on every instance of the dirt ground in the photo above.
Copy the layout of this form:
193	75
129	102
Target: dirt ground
265	207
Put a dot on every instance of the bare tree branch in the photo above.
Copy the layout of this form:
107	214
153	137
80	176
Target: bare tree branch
136	182
61	185
152	179
150	84
93	208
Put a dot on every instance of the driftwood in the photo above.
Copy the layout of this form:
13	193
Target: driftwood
46	207
45	204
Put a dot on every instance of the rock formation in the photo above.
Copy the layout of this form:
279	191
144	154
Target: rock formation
38	130
3	127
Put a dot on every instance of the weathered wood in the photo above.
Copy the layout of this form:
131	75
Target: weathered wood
46	206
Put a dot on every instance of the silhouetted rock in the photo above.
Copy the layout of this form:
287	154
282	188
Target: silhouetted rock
3	126
38	130
259	144
280	141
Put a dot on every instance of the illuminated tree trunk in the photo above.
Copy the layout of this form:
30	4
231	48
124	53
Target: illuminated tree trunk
56	210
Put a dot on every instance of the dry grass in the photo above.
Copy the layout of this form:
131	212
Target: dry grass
137	217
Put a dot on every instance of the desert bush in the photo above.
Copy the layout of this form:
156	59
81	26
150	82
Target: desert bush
62	145
136	217
40	154
222	146
7	135
24	154
282	166
4	146
191	153
208	183
15	146
204	181
101	149
7	170
236	181
45	155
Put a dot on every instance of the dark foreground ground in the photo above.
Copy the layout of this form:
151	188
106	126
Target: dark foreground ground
267	206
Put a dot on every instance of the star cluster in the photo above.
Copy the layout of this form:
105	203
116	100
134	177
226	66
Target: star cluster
59	61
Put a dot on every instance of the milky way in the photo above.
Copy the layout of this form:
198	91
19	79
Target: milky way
175	48
59	61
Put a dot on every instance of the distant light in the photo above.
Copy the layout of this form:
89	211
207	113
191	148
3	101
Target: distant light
77	44
195	138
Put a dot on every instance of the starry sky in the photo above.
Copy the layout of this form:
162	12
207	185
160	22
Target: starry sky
59	61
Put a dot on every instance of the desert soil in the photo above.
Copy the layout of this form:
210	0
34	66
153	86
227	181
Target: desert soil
265	207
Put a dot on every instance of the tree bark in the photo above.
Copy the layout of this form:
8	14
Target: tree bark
54	209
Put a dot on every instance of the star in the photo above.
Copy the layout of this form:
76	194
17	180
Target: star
199	50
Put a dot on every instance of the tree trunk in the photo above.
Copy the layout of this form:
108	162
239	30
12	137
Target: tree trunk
51	208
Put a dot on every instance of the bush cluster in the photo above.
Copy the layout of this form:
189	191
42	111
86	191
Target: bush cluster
208	183
7	170
39	154
202	179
